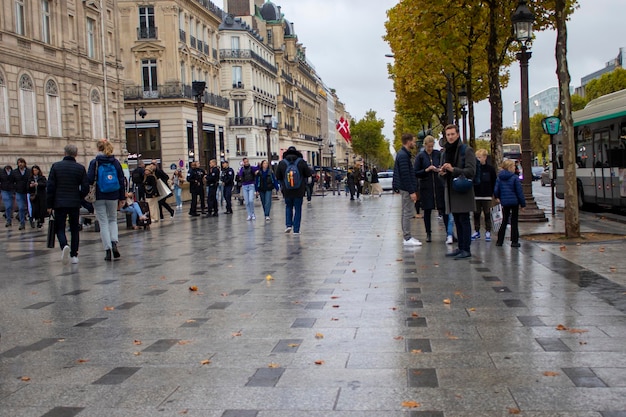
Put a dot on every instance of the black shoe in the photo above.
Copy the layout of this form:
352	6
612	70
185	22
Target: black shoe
8	225
215	215
428	237
464	254
515	245
32	223
107	255
39	225
498	243
194	214
22	227
454	252
116	253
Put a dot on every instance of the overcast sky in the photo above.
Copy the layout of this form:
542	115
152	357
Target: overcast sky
343	40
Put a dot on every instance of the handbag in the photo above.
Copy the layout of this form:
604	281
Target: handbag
91	195
164	190
51	231
462	184
496	217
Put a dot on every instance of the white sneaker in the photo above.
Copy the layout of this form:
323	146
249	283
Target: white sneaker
249	218
65	255
74	260
267	218
288	229
296	233
253	217
412	242
449	240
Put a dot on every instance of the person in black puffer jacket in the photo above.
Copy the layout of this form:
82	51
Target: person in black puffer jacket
483	193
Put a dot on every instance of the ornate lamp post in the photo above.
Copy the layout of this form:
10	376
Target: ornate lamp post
523	21
320	144
463	103
142	113
198	88
332	150
347	160
267	119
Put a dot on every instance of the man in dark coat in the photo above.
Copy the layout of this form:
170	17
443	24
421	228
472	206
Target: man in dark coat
293	197
20	183
67	186
212	180
194	178
227	176
458	203
8	193
405	183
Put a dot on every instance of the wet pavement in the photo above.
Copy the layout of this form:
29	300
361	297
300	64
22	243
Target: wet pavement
339	321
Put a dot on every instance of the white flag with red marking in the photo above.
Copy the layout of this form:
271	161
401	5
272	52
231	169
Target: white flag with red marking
343	126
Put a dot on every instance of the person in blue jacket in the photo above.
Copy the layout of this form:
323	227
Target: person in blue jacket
508	191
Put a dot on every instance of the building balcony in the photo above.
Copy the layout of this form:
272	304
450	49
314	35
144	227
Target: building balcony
238	84
289	102
182	35
287	77
240	121
200	45
173	91
211	7
144	32
242	153
226	54
192	41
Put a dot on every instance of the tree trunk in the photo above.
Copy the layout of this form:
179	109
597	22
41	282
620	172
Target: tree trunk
572	221
495	93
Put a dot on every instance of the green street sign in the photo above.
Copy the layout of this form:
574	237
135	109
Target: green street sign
551	125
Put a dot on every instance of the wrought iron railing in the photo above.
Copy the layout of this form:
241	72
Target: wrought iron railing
144	32
173	90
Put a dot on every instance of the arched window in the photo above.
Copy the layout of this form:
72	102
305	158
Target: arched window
53	108
97	127
28	105
4	106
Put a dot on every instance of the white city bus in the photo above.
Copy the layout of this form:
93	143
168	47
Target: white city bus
600	136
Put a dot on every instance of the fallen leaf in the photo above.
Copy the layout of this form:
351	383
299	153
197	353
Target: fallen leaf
612	269
136	353
563	248
184	342
579	331
411	404
136	342
560	327
514	411
47	322
416	351
334	319
236	334
393	308
550	373
205	362
399	260
293	345
82	360
319	336
582	342
398	338
354	271
336	306
163	277
319	362
25	378
191	321
224	294
334	297
601	250
471	309
414	314
268	277
450	336
185	411
193	288
446	301
109	308
273	365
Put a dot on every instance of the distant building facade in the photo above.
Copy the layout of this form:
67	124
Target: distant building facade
617	62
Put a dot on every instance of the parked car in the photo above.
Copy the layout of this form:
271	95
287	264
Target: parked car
546	175
537	171
385	178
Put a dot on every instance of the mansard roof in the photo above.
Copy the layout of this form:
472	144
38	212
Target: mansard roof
231	22
270	12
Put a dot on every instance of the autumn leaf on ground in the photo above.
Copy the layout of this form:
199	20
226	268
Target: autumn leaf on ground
416	351
319	336
184	342
514	411
191	321
273	365
224	294
399	260
446	301
579	331
193	288
411	404
471	309
47	322
205	362
137	353
560	327
292	345
354	271
109	308
612	269
268	277
393	308
163	278
236	334
185	411
450	336
582	342
398	338
550	373
25	378
334	319
334	297
563	248
601	250
414	314
320	362
136	342
82	360
336	306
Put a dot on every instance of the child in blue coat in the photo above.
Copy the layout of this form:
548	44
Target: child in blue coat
508	191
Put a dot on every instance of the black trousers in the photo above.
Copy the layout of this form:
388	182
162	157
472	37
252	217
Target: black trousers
228	195
193	209
211	200
509	213
163	203
427	219
60	216
463	230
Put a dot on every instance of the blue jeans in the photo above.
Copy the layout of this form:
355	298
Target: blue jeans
248	197
293	213
178	195
7	199
450	228
135	212
266	200
106	214
22	206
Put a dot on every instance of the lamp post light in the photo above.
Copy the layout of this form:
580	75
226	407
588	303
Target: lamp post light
267	119
331	147
523	20
142	113
463	103
320	144
347	160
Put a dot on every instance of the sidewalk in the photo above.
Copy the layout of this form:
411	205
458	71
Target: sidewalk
340	321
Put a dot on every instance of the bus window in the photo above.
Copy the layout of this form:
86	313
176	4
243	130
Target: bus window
600	147
617	152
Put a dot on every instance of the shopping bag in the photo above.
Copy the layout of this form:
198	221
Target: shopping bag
164	190
496	217
51	231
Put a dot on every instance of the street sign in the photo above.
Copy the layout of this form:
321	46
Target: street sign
551	125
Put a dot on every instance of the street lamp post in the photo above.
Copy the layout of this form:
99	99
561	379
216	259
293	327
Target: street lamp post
198	88
347	160
142	114
332	149
523	21
463	103
320	144
267	119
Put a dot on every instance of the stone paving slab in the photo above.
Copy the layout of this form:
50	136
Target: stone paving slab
349	323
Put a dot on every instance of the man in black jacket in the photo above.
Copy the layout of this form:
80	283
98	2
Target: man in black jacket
293	197
8	192
212	180
20	183
194	178
405	182
67	186
227	176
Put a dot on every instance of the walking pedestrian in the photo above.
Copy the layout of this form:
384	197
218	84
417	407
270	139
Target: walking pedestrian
177	182
459	160
508	190
310	184
405	183
152	193
248	176
376	187
20	178
431	188
265	185
67	185
37	190
8	193
194	178
483	193
106	172
163	204
227	177
291	167
212	180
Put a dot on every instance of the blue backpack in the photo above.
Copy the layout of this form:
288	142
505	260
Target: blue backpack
107	178
477	174
293	179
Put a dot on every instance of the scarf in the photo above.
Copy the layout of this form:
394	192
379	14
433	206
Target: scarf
450	152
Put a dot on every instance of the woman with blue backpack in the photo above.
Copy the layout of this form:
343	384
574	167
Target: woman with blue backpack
105	172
